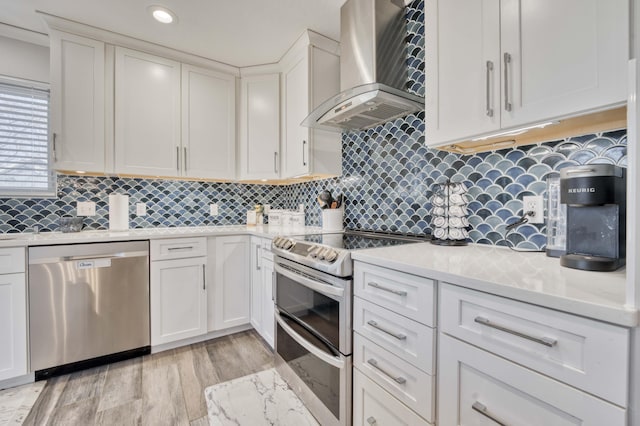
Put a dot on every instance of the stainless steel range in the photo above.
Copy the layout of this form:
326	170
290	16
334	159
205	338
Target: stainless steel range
313	295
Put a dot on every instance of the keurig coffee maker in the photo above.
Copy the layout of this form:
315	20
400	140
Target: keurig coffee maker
595	196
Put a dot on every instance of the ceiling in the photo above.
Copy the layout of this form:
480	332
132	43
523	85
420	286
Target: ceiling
236	32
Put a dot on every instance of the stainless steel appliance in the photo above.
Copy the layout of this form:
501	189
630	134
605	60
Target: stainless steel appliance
595	196
373	69
88	304
314	295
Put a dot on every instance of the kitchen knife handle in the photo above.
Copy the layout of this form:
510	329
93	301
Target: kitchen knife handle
304	145
507	61
488	94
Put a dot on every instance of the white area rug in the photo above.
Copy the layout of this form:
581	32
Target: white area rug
257	399
15	403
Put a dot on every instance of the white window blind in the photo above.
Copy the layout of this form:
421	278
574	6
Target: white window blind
25	163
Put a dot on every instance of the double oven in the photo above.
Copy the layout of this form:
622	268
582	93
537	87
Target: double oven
314	297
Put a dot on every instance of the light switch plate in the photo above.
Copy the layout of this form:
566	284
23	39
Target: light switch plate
213	209
86	208
141	209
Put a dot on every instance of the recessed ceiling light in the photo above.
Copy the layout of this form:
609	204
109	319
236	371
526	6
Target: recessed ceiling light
162	14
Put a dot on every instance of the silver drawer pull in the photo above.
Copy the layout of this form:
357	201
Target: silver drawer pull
180	248
546	341
390	290
482	409
400	380
398	336
372	420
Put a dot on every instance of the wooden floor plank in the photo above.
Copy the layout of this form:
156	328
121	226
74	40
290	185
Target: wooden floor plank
196	373
47	402
123	384
129	414
162	397
85	384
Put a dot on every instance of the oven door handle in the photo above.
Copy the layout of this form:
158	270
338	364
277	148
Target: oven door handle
331	360
325	289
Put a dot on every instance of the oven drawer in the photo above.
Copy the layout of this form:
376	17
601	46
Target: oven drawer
412	386
178	248
480	387
372	405
409	340
12	260
406	294
584	353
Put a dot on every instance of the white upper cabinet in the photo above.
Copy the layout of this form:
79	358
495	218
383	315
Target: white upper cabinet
310	76
147	114
208	123
495	64
77	102
260	127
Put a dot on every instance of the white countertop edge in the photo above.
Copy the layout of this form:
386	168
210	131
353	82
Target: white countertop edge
97	236
617	315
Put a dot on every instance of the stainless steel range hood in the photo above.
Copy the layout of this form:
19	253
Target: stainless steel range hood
373	69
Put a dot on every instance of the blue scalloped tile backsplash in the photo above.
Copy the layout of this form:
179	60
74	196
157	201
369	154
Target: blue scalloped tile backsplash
388	174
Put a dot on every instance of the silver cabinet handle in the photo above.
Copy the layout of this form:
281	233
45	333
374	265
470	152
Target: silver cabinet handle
398	336
399	379
390	290
258	258
372	420
482	409
507	61
273	285
185	158
304	145
177	158
180	248
55	153
546	341
489	71
204	276
275	162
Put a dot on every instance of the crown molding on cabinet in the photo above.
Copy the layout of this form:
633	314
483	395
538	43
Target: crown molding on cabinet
66	25
17	33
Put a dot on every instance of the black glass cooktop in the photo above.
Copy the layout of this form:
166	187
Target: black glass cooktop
354	240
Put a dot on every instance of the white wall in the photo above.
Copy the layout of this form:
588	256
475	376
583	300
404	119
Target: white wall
24	60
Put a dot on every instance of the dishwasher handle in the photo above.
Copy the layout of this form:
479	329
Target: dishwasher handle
59	259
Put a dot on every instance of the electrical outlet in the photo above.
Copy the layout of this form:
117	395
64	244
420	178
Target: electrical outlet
301	208
86	208
533	203
213	209
266	208
141	209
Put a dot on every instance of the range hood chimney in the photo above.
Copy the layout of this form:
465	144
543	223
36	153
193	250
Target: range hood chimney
373	69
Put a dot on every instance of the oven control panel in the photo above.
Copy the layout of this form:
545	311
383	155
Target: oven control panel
316	252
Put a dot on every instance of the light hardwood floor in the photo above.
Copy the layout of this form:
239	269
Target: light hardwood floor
161	389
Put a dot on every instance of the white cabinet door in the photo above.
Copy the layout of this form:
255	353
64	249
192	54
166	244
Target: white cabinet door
478	388
232	282
566	57
147	114
77	102
296	138
463	65
268	319
178	299
13	326
260	127
256	283
208	123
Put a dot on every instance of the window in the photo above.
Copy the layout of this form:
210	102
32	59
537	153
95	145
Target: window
25	160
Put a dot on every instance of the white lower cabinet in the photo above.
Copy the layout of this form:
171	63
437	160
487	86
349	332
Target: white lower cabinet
479	388
373	406
262	310
230	282
13	324
178	299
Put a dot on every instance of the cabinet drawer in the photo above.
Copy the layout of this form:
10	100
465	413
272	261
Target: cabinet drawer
178	248
413	387
584	353
406	294
12	260
480	386
409	340
372	405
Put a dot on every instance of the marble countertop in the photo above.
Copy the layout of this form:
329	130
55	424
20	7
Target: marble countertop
528	277
48	238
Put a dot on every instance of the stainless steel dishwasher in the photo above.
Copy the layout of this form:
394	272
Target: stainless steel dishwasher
88	305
